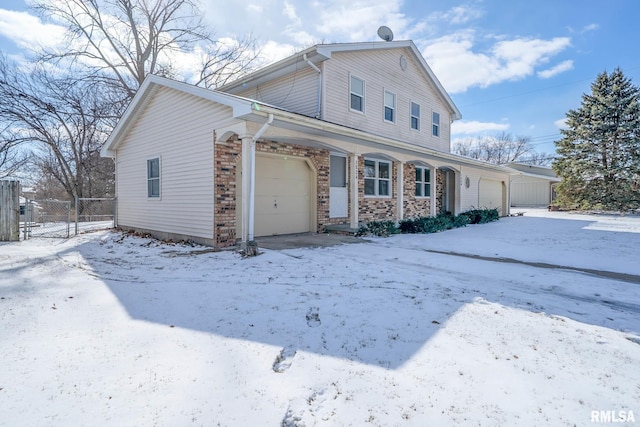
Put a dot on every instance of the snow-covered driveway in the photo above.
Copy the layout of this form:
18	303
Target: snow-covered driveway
107	329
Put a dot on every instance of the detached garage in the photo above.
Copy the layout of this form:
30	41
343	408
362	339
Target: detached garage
532	186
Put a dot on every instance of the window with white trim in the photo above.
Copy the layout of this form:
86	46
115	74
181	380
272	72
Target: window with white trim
389	106
356	89
377	178
435	124
423	182
153	177
415	116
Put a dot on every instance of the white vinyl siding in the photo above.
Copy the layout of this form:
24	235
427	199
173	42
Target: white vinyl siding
356	94
377	178
470	197
415	116
389	106
381	71
297	92
527	191
180	132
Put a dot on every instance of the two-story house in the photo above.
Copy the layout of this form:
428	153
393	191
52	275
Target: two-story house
336	134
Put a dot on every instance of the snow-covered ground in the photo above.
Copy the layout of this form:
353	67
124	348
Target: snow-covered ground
531	320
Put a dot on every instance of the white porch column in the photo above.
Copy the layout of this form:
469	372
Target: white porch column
400	186
247	172
353	187
434	191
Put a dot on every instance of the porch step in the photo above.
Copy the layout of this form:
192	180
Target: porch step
344	229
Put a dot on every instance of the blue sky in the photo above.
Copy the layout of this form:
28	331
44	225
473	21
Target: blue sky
513	66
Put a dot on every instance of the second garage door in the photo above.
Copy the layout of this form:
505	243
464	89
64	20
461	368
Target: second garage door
283	195
490	194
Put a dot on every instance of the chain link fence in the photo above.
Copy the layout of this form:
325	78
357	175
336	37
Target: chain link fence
60	218
46	218
94	214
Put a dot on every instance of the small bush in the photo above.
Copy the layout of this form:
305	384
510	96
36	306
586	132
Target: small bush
378	228
429	224
432	224
481	216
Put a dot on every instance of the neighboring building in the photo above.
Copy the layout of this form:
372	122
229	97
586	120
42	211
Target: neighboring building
336	134
532	186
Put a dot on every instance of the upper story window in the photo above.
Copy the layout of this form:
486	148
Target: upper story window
356	88
435	124
389	106
153	177
415	116
423	182
377	178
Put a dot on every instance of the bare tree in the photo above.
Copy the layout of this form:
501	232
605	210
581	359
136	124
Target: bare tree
63	122
12	159
500	149
122	41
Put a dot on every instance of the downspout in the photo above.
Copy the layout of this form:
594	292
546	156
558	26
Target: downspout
312	65
252	183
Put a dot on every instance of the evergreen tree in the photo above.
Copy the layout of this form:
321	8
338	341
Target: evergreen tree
599	154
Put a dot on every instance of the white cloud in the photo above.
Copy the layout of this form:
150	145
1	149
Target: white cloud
460	67
561	124
357	20
254	8
585	29
27	31
457	15
473	127
290	12
273	51
560	68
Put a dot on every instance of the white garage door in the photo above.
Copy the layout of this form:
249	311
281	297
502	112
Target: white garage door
283	196
490	194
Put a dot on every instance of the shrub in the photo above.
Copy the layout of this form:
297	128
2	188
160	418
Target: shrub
481	216
378	228
429	224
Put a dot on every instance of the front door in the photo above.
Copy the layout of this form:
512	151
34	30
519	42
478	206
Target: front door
338	192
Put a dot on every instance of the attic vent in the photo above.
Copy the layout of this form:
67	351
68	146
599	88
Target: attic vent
385	33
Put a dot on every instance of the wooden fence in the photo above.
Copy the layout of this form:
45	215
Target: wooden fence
9	211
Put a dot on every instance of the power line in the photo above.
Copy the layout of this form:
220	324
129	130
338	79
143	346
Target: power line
538	90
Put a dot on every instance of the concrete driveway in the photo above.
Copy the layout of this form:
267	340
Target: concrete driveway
305	240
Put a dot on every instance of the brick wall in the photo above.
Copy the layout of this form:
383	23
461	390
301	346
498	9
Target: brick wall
226	161
441	183
413	207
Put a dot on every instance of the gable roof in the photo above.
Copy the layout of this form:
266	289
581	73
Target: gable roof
535	171
258	112
322	52
240	106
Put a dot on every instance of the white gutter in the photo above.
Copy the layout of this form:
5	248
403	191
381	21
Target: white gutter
312	65
319	125
252	183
